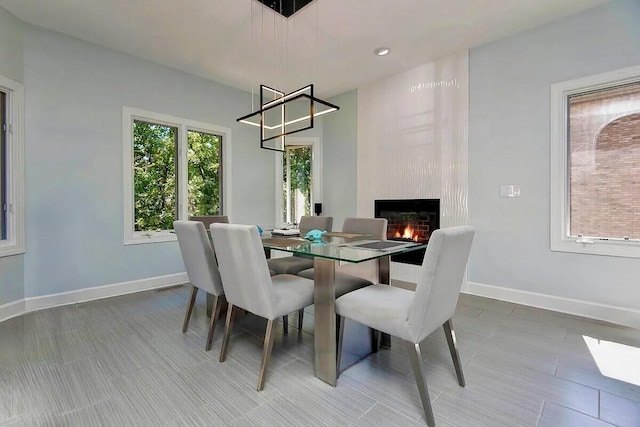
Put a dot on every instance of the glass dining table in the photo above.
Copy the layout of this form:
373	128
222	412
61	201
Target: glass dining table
334	249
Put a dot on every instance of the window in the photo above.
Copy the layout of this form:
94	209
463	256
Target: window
595	170
173	170
298	186
11	168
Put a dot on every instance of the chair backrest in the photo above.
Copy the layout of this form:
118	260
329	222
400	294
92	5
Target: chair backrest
198	256
207	220
440	280
243	267
307	223
377	227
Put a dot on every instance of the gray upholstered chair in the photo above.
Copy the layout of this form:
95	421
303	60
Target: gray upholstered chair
207	220
351	277
249	286
200	263
412	316
296	263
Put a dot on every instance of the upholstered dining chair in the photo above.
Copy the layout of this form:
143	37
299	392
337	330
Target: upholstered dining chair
296	263
207	220
351	277
412	316
202	269
249	286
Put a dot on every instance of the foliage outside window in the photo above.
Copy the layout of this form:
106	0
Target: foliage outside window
296	179
595	153
205	167
175	171
154	180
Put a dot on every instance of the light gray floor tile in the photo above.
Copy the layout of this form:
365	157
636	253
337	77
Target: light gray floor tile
228	388
511	322
580	372
391	388
619	411
567	393
338	404
281	411
381	415
487	304
124	362
554	415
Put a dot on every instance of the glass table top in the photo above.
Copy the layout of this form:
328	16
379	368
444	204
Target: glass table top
340	247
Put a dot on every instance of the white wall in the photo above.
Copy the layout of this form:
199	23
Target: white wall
339	158
412	142
11	268
74	97
509	144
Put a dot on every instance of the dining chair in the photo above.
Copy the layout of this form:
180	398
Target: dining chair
412	316
249	286
296	263
202	270
355	276
207	220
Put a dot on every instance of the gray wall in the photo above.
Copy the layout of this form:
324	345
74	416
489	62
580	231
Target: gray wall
74	97
340	159
10	46
509	144
11	268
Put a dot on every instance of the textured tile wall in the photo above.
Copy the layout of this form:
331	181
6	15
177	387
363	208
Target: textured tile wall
413	141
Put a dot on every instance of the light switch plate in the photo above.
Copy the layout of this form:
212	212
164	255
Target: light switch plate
509	190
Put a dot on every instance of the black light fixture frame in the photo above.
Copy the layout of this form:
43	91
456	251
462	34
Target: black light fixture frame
282	102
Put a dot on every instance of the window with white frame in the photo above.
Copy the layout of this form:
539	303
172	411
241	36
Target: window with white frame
595	169
174	168
11	168
298	179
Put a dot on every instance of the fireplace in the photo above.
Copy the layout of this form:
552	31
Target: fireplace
409	219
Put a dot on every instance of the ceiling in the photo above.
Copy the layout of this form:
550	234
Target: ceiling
329	43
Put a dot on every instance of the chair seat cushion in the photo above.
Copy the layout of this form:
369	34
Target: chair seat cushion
291	293
345	283
381	307
290	264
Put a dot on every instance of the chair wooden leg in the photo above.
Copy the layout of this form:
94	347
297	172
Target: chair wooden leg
453	348
216	306
300	319
227	332
187	315
285	325
416	358
269	336
340	321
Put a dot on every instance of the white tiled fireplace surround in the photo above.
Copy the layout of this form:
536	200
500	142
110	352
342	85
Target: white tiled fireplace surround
413	142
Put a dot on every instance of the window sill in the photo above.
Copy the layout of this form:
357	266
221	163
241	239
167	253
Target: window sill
598	247
141	239
8	249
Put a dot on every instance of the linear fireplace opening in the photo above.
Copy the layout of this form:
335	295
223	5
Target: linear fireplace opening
409	219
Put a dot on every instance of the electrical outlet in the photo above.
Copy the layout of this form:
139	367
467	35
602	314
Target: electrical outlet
509	190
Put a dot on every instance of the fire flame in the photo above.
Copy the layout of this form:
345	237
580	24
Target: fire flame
408	233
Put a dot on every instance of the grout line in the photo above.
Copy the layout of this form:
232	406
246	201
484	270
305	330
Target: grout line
368	410
544	402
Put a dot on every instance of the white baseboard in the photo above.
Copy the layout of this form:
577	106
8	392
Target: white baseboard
89	294
12	309
614	314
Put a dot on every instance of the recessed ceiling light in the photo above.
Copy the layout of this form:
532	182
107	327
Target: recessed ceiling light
382	51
